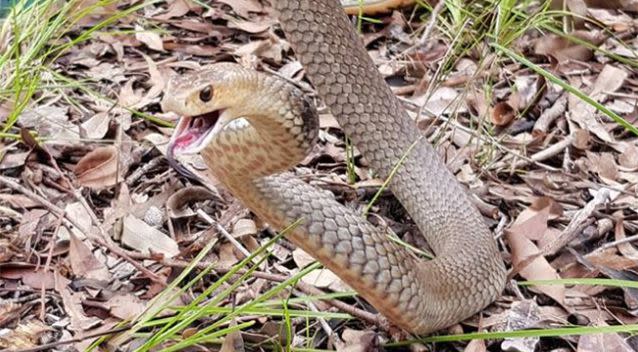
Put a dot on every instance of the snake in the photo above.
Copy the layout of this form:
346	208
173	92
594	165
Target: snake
251	128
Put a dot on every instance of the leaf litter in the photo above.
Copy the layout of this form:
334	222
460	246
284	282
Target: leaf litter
555	178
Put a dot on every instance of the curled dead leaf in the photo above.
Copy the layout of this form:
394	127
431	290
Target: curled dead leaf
244	227
177	203
502	114
98	168
564	48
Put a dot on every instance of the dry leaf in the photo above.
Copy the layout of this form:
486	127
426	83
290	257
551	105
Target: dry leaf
193	49
177	203
243	228
602	342
125	306
609	80
36	278
98	168
475	346
151	39
178	8
13	160
95	127
302	258
84	263
73	307
523	249
24	336
502	114
324	278
564	49
358	341
627	249
532	222
255	26
233	342
523	315
244	7
146	239
629	157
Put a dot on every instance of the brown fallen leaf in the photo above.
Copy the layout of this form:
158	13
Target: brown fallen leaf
523	249
146	239
9	311
324	278
25	335
564	49
629	157
95	127
18	201
254	26
83	262
476	346
524	314
626	249
233	342
98	168
36	278
532	222
151	39
244	7
13	160
177	203
602	342
125	306
178	8
194	49
502	114
358	341
585	115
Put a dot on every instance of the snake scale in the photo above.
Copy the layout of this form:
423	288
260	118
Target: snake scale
249	159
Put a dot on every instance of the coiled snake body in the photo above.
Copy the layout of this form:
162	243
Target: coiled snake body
467	273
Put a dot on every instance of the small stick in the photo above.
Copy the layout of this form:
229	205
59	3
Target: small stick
576	224
60	212
540	156
548	116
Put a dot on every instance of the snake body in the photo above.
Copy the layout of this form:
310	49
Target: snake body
467	273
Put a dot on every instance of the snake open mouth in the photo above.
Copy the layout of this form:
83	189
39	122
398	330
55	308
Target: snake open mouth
191	135
193	132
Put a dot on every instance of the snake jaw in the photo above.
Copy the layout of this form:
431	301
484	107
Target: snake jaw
193	133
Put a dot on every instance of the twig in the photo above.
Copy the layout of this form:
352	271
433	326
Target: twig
226	235
535	158
51	345
489	139
578	222
548	116
89	234
428	29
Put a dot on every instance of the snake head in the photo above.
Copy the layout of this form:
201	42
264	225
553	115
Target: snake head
195	96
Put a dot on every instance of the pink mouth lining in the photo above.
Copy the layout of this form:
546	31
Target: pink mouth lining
190	133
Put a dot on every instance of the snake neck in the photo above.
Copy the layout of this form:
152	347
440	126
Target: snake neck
274	135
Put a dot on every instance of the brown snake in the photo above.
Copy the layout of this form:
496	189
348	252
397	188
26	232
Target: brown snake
419	296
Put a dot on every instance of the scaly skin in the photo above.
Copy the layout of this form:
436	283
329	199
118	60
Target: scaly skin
421	297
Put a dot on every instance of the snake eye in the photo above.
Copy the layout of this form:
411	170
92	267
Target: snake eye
206	94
